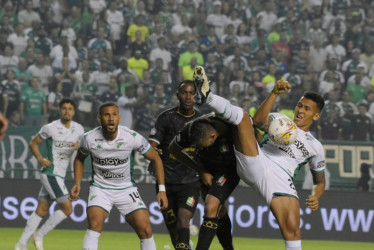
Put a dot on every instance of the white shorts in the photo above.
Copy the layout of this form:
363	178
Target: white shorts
126	200
267	178
53	188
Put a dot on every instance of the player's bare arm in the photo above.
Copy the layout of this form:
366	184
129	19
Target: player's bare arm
78	173
318	189
261	118
34	146
154	157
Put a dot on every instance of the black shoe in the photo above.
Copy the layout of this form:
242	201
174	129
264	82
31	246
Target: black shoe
201	85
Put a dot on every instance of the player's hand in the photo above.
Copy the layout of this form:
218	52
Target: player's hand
162	200
312	202
74	193
75	145
45	162
206	179
281	86
158	150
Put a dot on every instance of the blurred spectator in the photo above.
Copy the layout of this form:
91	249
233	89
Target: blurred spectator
331	126
129	74
102	76
357	87
8	60
67	77
328	84
267	18
156	70
139	24
115	19
297	42
367	55
138	44
217	19
279	60
42	71
11	93
335	49
317	31
99	41
230	39
33	106
138	64
15	119
110	95
54	97
67	31
145	117
182	27
361	124
292	77
186	57
27	15
332	65
317	55
363	183
350	67
127	103
188	71
18	39
156	33
160	97
244	34
97	6
21	73
161	53
43	43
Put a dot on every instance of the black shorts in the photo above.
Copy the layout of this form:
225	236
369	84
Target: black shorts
223	184
182	195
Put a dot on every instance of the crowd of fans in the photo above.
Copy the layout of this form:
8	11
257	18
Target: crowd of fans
135	52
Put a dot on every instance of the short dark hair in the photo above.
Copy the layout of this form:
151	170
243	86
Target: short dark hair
199	128
66	100
317	98
182	83
106	104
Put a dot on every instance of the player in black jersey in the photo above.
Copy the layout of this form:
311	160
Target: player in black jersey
216	168
182	183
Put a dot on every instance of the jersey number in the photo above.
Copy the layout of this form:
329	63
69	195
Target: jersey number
134	196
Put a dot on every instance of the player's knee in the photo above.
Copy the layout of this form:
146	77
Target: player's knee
145	232
293	233
95	225
67	210
211	209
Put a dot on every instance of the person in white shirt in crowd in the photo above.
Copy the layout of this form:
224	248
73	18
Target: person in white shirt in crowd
161	52
18	39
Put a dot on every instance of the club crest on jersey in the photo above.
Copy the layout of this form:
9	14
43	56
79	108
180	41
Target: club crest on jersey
191	201
119	144
221	181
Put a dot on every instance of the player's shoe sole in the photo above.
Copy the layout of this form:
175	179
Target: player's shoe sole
38	242
201	85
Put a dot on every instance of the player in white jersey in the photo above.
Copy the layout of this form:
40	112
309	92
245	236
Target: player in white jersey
112	149
270	169
62	138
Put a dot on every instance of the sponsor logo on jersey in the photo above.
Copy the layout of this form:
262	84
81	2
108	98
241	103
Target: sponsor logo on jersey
301	147
98	146
110	161
321	164
110	175
190	201
63	144
288	151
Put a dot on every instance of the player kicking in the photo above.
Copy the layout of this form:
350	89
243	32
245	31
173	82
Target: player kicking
269	169
62	137
111	148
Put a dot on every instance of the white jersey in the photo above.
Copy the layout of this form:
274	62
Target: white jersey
59	141
305	149
113	161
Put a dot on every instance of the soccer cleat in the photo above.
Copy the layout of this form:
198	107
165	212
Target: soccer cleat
201	85
20	247
38	242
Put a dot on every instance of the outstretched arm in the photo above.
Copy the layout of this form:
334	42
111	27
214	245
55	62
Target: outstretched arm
261	118
317	191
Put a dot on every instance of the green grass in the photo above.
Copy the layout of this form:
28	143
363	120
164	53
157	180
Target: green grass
72	239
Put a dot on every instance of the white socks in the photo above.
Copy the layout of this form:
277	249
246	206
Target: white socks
31	226
148	244
91	240
225	109
293	245
51	223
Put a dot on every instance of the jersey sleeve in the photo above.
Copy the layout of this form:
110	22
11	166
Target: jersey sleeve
317	162
158	131
45	132
141	144
83	147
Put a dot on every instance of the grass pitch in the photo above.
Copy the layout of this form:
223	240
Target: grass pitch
72	239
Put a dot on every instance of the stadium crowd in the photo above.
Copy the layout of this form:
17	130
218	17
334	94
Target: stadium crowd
135	52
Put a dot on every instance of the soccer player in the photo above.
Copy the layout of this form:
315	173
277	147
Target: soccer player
269	169
62	137
216	168
112	148
182	183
